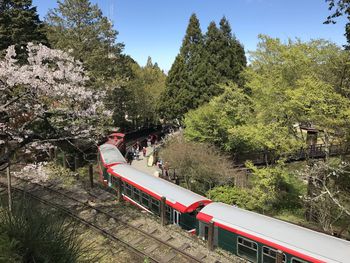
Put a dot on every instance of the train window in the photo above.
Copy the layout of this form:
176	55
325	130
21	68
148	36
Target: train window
155	206
145	199
247	249
136	193
127	189
269	255
297	260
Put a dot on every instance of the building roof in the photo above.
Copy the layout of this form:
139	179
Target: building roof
177	197
110	155
302	242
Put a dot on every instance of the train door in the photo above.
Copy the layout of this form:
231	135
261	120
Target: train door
206	232
176	217
203	230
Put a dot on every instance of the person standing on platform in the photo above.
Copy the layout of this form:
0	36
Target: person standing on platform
149	141
129	157
144	151
166	169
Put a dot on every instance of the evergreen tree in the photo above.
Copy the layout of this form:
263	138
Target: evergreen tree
80	27
232	55
19	24
203	63
187	83
149	63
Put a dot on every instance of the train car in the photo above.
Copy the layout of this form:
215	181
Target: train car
146	192
118	139
257	238
108	155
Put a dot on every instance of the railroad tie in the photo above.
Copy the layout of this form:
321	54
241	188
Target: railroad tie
184	246
167	238
168	257
135	241
151	248
200	256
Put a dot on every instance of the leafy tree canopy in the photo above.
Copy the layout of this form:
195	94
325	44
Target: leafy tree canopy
136	100
80	27
286	84
271	189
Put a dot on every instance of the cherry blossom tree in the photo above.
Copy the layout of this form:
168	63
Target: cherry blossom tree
45	100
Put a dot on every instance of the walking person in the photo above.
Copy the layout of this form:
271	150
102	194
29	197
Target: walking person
137	153
129	157
144	151
166	169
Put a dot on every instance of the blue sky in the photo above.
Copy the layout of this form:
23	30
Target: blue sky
156	27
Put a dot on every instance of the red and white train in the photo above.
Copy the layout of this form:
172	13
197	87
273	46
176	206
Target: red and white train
254	237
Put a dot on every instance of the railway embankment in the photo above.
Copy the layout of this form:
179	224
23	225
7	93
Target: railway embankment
117	226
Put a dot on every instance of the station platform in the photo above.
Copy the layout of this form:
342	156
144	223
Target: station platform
141	164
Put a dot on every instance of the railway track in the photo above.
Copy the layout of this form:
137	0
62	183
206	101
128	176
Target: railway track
142	243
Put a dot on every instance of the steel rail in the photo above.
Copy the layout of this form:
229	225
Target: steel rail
134	250
145	233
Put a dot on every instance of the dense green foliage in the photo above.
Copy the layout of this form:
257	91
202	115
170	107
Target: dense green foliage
137	98
202	64
225	54
271	189
80	27
32	234
19	24
286	85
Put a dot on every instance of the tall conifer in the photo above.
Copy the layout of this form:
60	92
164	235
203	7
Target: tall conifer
19	24
203	63
233	54
186	86
79	26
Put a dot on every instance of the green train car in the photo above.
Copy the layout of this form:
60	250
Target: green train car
146	191
258	238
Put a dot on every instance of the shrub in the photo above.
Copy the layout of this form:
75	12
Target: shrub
33	234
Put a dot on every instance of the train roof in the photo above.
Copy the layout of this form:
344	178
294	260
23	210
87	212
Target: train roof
301	242
110	154
177	197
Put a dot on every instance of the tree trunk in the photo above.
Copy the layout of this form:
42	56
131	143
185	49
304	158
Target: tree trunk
308	210
8	172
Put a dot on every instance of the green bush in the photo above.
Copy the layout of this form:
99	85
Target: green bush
33	234
271	189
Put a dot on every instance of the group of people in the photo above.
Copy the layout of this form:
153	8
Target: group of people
134	152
